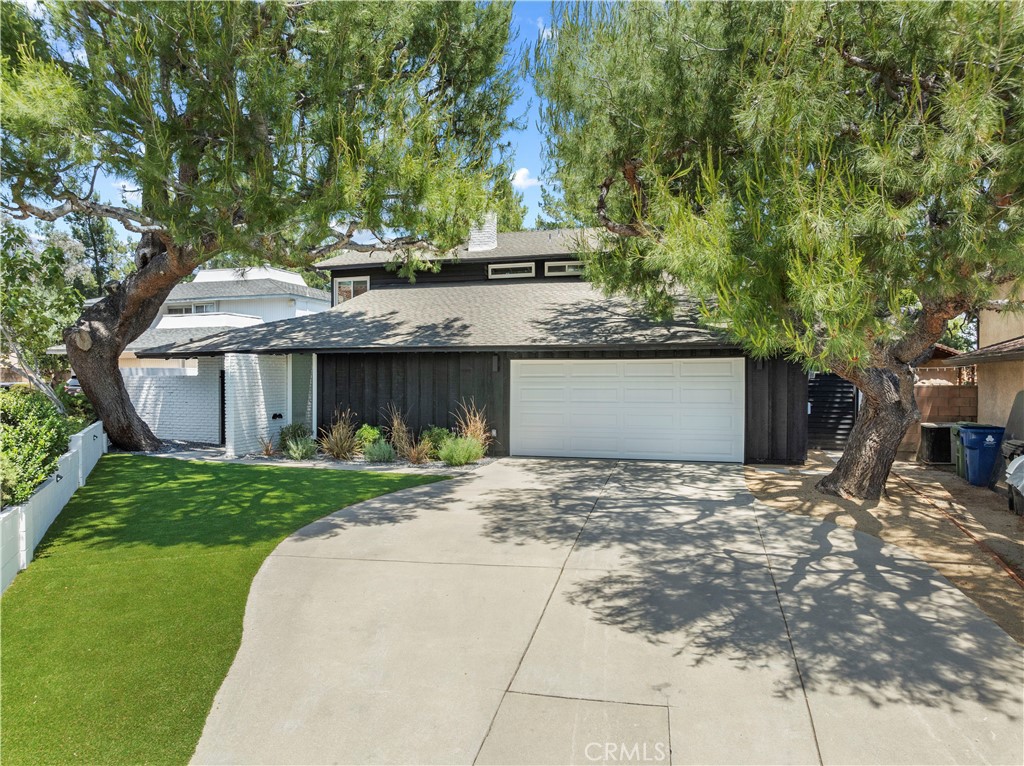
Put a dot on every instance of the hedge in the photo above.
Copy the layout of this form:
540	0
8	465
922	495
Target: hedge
33	436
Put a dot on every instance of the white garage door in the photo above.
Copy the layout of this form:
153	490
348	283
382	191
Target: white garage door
648	409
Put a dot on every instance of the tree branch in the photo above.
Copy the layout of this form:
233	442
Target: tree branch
29	370
929	84
133	221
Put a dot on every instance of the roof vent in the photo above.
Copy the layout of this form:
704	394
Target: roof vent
484	237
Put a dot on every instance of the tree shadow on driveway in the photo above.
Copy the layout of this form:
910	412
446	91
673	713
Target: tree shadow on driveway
709	573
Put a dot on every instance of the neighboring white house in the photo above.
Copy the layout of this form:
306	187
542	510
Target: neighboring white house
185	398
214	301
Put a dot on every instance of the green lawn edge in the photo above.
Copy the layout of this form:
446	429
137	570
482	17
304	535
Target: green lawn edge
115	640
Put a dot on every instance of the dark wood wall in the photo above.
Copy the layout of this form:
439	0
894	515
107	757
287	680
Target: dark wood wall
428	386
776	413
463	271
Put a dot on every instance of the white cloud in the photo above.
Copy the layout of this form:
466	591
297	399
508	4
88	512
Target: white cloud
521	179
543	29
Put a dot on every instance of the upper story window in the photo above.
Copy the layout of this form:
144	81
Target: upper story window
348	288
193	308
563	269
510	270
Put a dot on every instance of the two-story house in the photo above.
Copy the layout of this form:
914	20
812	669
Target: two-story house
510	322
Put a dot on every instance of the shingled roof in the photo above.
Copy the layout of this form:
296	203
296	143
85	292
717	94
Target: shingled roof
158	340
512	246
242	288
467	316
1010	350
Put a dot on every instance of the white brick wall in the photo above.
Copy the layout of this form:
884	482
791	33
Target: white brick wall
257	389
180	407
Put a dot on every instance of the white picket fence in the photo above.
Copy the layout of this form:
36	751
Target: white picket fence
23	526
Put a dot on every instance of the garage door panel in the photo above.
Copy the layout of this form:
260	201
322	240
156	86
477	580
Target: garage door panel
544	419
666	369
544	370
702	368
708	396
578	394
596	370
538	394
599	420
644	409
651	395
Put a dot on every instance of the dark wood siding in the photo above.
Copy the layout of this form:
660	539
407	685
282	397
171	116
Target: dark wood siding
429	385
453	272
776	412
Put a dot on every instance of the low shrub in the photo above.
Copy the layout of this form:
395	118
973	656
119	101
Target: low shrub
419	452
471	423
77	406
399	434
293	432
342	441
33	436
267	445
300	448
435	436
461	450
379	452
368	434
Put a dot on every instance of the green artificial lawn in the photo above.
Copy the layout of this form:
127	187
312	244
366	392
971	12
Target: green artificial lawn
116	638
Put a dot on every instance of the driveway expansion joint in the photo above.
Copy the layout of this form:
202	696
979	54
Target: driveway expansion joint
547	602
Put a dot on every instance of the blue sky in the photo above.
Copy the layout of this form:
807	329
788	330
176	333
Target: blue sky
530	20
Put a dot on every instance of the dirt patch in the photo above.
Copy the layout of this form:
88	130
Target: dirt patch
916	516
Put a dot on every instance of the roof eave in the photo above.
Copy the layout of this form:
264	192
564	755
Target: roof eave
978	357
659	346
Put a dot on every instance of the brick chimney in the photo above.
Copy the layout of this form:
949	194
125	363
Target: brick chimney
484	237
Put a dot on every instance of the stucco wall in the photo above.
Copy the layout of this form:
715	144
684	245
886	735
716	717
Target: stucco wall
256	391
1001	396
997	326
180	406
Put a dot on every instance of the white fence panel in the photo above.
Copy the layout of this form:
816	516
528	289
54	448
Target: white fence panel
22	527
10	546
94	444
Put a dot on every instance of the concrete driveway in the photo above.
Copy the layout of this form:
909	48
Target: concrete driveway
572	611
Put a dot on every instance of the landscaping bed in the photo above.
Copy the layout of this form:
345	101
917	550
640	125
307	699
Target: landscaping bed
117	638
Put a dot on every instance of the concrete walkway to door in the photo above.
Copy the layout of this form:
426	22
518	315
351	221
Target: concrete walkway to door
572	611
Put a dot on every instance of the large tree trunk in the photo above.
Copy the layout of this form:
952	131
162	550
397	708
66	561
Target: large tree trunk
100	335
889	404
889	410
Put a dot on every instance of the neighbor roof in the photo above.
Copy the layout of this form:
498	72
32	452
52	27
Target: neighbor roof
242	288
157	340
1006	351
467	316
512	246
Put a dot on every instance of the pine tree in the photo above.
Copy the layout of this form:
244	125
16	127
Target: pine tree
834	181
263	131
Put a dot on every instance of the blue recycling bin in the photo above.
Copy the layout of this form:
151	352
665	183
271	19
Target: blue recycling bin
981	443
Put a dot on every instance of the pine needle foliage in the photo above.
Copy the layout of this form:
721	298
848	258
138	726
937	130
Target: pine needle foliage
820	176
